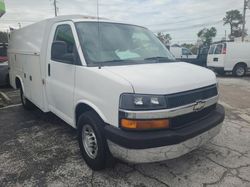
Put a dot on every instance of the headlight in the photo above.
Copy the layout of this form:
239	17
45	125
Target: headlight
142	102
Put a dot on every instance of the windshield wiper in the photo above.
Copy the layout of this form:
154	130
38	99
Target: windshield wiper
114	62
160	59
103	63
117	60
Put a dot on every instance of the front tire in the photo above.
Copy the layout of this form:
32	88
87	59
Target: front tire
25	102
92	142
239	70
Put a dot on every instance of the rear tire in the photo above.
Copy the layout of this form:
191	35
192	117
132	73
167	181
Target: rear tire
239	70
25	102
92	142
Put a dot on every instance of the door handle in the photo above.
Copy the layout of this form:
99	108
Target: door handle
30	78
48	69
216	59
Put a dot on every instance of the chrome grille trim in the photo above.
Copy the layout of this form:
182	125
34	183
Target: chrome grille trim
184	98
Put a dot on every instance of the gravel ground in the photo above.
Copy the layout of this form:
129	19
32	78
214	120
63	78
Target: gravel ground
39	149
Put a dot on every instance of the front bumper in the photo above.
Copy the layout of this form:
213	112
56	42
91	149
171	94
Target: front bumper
154	146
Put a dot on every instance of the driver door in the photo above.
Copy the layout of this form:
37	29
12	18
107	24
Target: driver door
61	66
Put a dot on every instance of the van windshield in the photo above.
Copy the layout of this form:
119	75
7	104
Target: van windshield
120	44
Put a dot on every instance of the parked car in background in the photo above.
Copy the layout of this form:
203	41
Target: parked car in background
118	85
4	73
202	55
3	52
182	53
3	58
201	59
229	57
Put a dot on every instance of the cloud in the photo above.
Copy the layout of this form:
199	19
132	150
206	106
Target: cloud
181	18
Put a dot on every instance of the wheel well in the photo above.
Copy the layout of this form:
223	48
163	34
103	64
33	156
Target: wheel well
82	108
18	83
241	63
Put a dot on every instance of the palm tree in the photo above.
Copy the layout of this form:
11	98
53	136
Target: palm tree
234	18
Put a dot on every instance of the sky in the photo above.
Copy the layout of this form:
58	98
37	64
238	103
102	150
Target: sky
182	19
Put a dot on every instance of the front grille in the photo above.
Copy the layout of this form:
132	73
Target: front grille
188	97
184	120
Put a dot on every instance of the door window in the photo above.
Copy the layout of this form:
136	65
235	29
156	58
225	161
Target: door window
218	49
211	50
63	46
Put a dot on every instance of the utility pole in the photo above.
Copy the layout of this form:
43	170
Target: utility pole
244	20
55	6
97	9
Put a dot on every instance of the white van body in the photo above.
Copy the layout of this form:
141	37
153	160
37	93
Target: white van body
182	52
225	56
71	90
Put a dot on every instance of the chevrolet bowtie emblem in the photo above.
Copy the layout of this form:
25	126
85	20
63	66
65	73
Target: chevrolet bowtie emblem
199	105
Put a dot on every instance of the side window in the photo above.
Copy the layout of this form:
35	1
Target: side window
63	46
218	49
211	50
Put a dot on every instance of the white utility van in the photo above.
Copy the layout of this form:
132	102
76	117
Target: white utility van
118	86
229	57
182	53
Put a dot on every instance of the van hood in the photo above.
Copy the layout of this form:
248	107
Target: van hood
164	78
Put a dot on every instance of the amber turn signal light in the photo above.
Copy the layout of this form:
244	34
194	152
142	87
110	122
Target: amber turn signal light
145	124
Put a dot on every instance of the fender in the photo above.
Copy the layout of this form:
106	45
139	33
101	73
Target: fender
93	106
21	81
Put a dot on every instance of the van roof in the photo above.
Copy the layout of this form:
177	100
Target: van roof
79	18
75	18
21	39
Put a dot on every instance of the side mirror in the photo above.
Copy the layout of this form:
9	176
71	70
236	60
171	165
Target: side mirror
59	52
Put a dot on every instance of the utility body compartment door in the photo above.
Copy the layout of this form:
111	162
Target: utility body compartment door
23	61
35	80
27	67
60	78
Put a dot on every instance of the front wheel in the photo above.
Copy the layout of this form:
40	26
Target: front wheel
92	142
239	70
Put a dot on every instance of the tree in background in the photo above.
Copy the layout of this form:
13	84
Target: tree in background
165	38
235	19
206	35
3	37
